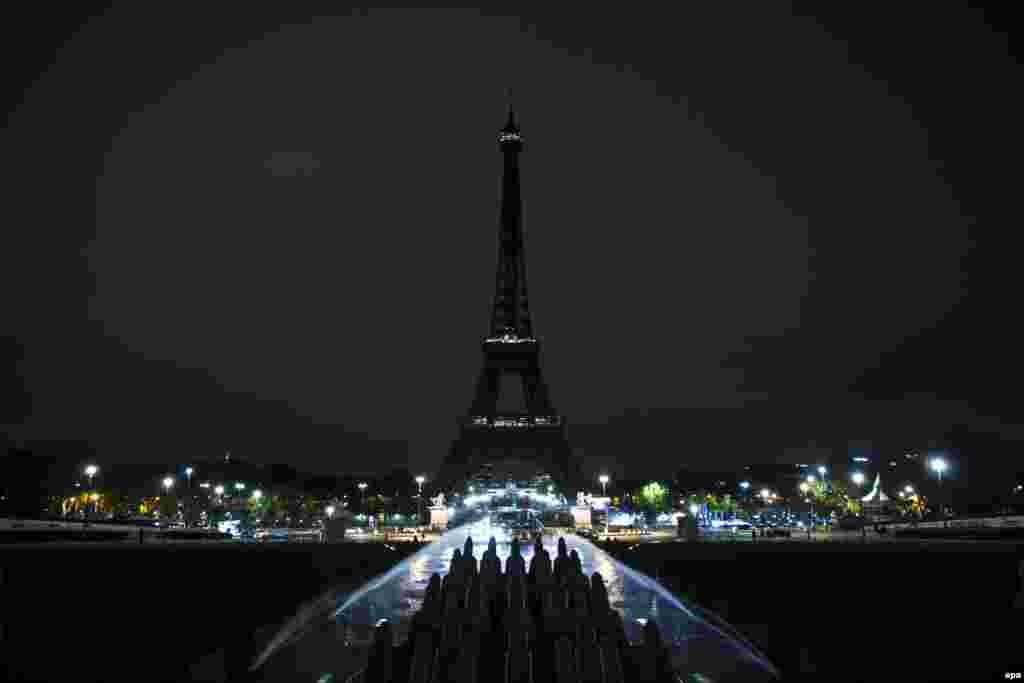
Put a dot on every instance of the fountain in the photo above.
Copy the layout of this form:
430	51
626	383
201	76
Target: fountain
521	610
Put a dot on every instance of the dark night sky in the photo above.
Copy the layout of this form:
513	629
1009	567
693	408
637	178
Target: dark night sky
746	230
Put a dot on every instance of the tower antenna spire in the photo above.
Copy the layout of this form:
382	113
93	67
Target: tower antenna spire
508	103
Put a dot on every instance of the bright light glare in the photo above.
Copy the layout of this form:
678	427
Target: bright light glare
765	493
188	471
257	494
168	482
219	490
858	478
908	488
694	509
821	470
810	479
419	480
939	465
603	479
744	485
91	470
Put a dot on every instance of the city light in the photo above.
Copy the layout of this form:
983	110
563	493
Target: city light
330	511
91	471
744	485
188	471
168	483
858	478
908	488
239	485
694	509
604	484
205	485
810	479
257	494
804	486
766	494
219	490
939	465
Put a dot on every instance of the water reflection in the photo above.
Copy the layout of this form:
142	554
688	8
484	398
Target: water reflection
698	643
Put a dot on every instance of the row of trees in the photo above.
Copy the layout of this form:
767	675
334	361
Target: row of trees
828	497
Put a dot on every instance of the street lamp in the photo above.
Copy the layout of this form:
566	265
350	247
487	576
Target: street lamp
604	484
744	485
858	478
168	483
188	498
821	471
908	488
810	479
805	487
219	490
419	508
939	465
90	471
362	498
257	494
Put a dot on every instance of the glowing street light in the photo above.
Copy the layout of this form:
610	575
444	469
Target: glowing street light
257	494
239	486
694	509
858	478
90	471
168	483
604	484
804	486
939	465
821	471
908	488
419	511
744	485
766	494
330	511
219	490
810	479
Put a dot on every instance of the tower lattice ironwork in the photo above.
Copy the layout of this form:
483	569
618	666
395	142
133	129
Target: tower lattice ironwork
529	438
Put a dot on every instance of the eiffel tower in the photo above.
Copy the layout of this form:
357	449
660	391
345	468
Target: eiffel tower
512	428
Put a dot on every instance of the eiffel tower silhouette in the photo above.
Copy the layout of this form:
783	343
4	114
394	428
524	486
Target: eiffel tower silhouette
516	431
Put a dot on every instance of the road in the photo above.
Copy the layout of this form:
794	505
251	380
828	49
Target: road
340	623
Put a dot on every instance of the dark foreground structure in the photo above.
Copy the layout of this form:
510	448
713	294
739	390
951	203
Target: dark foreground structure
548	623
